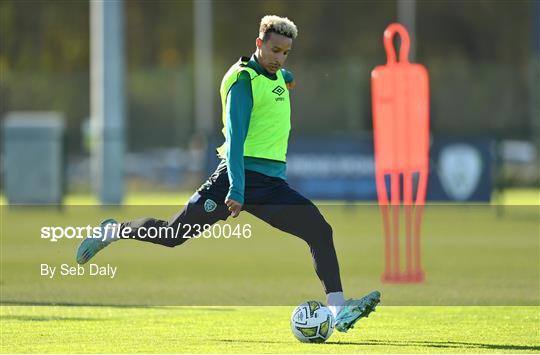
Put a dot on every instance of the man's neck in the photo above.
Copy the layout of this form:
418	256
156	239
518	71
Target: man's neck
261	68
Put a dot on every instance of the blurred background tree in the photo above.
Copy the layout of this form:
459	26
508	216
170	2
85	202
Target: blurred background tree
477	53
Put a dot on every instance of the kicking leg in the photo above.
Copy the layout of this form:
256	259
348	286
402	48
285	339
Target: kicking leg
204	208
201	211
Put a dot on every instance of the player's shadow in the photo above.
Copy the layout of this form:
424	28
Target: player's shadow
439	344
431	344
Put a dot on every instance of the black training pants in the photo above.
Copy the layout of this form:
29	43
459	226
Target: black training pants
268	198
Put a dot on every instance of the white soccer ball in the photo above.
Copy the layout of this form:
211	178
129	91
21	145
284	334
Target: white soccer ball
312	322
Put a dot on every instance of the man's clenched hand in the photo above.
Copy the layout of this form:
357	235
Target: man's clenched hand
234	207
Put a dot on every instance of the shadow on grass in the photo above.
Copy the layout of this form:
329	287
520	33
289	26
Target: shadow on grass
252	341
49	318
74	304
412	343
441	344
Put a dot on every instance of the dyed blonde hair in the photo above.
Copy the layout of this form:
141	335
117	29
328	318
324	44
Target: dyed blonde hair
279	25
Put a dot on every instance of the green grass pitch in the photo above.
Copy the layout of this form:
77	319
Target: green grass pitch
49	329
481	293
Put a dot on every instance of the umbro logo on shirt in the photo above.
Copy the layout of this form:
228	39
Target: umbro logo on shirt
278	90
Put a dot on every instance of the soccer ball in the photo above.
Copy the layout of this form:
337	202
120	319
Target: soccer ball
312	322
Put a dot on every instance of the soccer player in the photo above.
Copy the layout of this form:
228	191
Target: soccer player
252	173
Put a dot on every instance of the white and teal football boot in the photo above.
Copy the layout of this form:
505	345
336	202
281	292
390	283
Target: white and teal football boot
352	310
91	246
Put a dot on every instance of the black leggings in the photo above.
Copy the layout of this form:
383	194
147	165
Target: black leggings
270	199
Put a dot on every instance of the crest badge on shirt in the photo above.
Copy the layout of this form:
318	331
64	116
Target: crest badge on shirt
209	205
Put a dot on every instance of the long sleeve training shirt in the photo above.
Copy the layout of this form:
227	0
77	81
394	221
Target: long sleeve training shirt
239	104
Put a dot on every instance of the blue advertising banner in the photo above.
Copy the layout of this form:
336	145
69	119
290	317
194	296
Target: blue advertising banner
343	169
336	170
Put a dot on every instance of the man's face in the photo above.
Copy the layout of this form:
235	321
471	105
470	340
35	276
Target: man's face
273	51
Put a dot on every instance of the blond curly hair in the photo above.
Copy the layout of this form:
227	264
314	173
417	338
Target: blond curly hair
280	25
